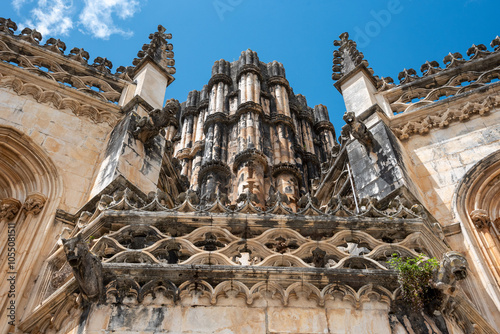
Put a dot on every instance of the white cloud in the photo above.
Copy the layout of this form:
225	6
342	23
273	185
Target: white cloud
17	4
97	16
50	17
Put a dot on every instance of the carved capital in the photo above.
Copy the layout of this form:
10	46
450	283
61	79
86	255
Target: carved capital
480	218
9	207
34	203
496	222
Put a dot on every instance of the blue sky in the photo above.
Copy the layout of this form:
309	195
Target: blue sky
392	34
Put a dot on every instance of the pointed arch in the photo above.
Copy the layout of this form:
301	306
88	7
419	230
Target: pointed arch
28	177
477	205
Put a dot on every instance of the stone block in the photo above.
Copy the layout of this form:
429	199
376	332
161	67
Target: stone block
297	320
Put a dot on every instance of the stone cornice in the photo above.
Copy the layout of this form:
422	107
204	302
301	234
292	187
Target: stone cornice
441	114
61	97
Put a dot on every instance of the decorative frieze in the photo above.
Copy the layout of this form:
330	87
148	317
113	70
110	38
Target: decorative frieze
444	118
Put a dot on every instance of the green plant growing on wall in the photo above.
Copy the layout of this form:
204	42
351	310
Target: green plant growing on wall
414	276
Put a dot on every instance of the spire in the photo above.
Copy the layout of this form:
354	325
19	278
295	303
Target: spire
346	57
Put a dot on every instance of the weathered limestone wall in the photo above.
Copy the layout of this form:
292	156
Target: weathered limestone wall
232	315
73	143
442	157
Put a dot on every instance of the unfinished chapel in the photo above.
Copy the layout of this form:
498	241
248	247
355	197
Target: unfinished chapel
242	209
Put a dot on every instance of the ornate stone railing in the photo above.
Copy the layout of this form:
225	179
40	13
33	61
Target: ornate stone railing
458	76
49	61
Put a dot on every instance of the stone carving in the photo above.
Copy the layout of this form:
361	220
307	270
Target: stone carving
407	76
102	65
453	268
347	57
31	36
190	195
210	243
127	291
87	268
55	45
495	43
477	51
51	63
146	128
125	73
453	59
385	83
59	101
7	26
478	71
481	219
9	207
159	50
496	223
444	118
306	200
358	130
34	203
430	68
80	55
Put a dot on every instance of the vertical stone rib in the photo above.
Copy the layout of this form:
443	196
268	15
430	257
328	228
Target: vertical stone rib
220	97
211	104
209	141
216	148
257	89
199	127
183	134
285	102
259	136
279	100
282	143
251	130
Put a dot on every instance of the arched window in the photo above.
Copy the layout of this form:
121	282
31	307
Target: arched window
477	205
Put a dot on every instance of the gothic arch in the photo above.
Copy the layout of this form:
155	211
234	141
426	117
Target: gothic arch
477	206
25	167
30	192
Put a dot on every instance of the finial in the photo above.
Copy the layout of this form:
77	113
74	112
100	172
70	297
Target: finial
159	50
407	75
430	67
495	43
347	57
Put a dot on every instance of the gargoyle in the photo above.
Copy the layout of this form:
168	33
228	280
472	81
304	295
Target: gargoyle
453	268
87	267
358	130
145	128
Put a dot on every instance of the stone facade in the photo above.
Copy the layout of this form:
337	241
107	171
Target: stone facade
239	210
